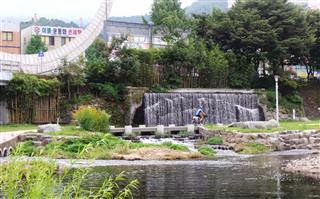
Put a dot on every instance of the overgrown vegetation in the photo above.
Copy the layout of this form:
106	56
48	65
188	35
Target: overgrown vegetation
99	146
44	179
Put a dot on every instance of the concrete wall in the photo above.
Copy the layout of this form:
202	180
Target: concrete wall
134	105
139	35
4	113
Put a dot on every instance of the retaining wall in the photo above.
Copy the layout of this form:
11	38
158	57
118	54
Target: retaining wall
280	141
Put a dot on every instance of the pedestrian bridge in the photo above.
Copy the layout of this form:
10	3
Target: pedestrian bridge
52	60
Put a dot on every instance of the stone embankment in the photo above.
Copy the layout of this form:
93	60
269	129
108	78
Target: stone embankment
309	166
278	141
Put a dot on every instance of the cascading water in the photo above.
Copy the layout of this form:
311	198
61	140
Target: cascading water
179	108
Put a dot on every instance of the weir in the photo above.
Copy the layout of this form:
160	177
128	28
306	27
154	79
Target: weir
221	107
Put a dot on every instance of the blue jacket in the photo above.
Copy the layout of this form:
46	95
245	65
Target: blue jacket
199	111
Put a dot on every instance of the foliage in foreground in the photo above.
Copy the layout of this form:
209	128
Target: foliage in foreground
92	119
44	179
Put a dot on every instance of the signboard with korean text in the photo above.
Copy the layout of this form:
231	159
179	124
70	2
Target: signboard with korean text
56	31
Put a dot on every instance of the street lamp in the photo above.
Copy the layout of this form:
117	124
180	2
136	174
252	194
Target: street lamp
276	78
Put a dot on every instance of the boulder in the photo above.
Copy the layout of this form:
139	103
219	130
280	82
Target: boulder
256	124
49	128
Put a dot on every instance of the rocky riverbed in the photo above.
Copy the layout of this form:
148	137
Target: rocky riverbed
309	166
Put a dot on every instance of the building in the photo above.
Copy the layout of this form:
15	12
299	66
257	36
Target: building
53	37
10	37
139	35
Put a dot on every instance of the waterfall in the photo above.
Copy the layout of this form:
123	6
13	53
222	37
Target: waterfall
179	108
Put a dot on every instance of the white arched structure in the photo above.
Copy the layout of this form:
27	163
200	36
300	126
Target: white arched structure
32	64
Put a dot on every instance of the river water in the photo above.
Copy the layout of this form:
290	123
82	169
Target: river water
224	177
240	176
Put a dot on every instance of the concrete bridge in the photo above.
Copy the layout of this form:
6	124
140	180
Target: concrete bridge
7	142
160	129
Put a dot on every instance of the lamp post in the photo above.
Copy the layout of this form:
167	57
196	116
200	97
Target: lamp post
276	78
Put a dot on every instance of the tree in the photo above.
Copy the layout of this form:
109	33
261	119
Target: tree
71	76
36	45
264	30
312	58
169	19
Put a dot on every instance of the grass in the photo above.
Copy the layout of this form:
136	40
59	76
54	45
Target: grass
207	151
215	140
44	179
252	148
100	146
16	127
284	126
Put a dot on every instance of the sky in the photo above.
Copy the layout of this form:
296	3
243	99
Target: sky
72	9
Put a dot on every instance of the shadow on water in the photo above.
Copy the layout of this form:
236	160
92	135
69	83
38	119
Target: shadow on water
250	177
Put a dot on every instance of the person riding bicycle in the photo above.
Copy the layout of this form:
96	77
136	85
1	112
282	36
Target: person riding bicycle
200	114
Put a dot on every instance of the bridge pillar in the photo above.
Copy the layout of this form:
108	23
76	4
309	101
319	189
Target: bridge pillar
190	128
160	130
128	131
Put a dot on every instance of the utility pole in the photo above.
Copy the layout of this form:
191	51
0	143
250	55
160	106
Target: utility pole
276	78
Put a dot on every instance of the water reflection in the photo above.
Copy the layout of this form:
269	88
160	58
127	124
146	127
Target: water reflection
254	177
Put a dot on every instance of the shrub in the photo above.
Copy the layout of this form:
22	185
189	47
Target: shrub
92	119
216	140
205	150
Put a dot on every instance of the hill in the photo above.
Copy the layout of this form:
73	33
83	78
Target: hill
49	22
206	6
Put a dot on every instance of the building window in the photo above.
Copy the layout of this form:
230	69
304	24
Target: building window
63	41
7	36
51	41
70	39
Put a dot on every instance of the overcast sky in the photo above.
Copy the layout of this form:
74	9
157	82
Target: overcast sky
72	9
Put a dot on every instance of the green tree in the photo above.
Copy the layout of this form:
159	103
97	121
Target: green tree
312	58
36	45
272	31
169	19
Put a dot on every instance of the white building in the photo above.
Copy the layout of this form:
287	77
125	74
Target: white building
53	37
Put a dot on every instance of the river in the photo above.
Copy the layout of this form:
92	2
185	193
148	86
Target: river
225	177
